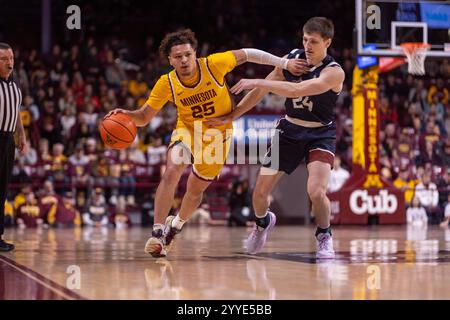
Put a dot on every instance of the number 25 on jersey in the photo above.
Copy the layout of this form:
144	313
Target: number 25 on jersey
206	109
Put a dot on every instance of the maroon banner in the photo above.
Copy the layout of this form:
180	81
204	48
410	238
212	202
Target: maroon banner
365	193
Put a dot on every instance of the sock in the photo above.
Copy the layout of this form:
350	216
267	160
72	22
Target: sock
178	223
320	230
158	230
263	222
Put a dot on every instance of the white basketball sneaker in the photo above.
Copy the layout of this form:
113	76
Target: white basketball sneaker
257	238
324	246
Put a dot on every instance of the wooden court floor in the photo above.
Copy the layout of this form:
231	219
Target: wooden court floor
208	262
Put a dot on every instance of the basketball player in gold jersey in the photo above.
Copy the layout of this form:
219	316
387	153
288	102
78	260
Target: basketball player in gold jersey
197	88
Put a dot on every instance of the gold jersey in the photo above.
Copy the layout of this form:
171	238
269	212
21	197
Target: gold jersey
208	97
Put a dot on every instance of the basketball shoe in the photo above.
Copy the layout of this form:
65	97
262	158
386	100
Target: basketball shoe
257	239
155	245
324	246
169	233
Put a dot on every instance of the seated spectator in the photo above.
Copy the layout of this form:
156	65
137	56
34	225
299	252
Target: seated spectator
137	87
96	213
9	214
80	172
338	175
156	154
443	185
59	167
29	214
407	185
65	214
20	197
429	155
134	154
445	156
439	91
416	214
240	204
91	149
127	179
446	222
29	159
148	209
19	174
426	192
202	216
48	200
43	152
119	218
67	121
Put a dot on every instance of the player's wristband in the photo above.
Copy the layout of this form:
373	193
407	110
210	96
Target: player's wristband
262	57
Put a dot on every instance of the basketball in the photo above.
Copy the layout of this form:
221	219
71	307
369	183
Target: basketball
118	131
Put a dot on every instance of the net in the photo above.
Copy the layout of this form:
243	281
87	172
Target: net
416	53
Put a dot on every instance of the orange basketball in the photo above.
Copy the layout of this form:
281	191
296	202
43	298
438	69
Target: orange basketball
118	131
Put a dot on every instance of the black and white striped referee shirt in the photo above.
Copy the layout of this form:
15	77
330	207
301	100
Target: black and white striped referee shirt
10	101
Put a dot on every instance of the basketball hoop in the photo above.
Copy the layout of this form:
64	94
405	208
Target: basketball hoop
416	53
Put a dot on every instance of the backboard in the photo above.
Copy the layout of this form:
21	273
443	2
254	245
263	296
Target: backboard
381	26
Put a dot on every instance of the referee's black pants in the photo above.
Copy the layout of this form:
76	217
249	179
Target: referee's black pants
7	149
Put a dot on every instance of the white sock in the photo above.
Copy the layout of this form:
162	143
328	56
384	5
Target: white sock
178	222
263	216
158	226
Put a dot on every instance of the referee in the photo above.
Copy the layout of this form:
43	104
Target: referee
10	124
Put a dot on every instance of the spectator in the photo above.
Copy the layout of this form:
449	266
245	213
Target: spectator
48	200
120	219
426	192
96	214
445	156
65	215
127	179
59	168
338	175
443	186
156	152
240	204
9	214
67	121
135	155
406	185
29	214
439	91
446	222
416	215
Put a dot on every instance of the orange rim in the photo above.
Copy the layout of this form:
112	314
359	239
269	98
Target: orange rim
411	47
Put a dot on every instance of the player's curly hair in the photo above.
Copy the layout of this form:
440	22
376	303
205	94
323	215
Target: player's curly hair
320	25
176	38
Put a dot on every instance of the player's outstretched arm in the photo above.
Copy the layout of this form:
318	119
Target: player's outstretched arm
294	66
247	103
330	78
141	117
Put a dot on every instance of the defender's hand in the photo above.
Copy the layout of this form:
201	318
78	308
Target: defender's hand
297	66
